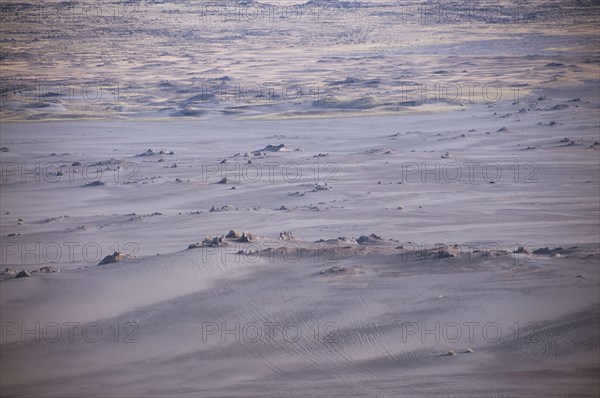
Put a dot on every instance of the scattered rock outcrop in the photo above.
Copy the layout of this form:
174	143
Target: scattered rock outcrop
286	235
275	148
217	241
47	270
97	183
233	234
333	270
150	152
115	258
223	208
521	250
247	237
369	240
548	251
23	274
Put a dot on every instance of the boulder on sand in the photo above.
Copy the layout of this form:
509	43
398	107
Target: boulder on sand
47	270
521	250
209	241
114	258
233	234
97	183
333	270
368	240
286	235
275	148
548	251
23	274
247	237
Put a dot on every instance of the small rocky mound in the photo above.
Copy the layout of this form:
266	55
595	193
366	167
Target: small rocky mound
47	270
548	251
369	240
209	241
150	152
521	250
4	149
114	258
333	270
94	184
247	237
233	234
339	239
319	187
8	271
223	208
440	252
23	274
275	148
286	235
444	253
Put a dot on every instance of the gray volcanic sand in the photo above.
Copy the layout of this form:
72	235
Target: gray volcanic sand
369	330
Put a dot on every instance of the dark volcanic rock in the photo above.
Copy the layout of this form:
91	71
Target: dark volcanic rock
548	251
94	184
114	258
247	237
233	234
333	270
369	240
286	235
23	274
